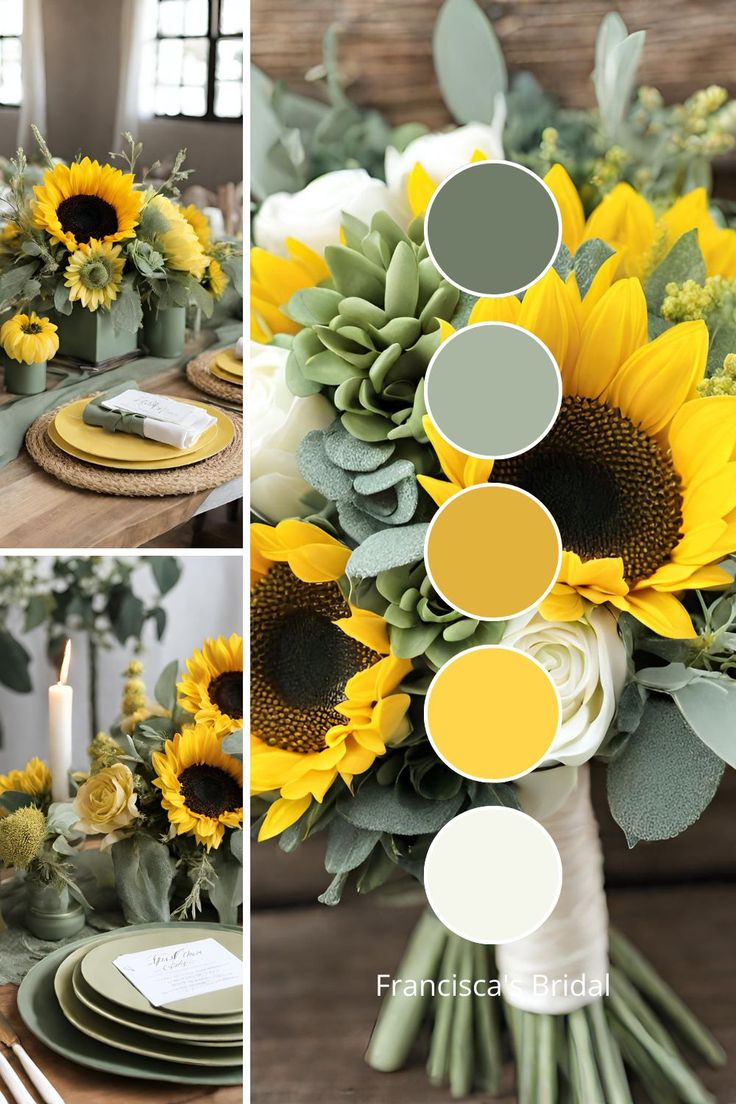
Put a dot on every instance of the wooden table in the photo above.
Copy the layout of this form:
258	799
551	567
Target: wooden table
38	511
78	1085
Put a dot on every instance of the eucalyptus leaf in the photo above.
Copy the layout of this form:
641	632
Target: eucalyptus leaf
165	689
12	800
226	893
468	60
709	707
14	664
588	259
392	809
683	262
347	846
144	874
387	549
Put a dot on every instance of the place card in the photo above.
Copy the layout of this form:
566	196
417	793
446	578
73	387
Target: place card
184	970
160	407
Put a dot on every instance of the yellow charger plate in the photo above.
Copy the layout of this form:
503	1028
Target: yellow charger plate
224	432
236	381
228	362
98	442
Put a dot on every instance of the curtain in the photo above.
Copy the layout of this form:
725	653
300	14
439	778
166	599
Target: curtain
33	75
137	59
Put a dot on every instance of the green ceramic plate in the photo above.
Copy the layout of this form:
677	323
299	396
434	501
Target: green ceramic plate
183	1032
42	1015
102	975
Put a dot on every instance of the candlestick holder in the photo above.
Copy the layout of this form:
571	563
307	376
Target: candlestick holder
52	913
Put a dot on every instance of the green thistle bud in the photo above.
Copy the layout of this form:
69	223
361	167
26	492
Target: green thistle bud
370	334
21	836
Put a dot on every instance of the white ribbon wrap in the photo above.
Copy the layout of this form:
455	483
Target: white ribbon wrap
571	947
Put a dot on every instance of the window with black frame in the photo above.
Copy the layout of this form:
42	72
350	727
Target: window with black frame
199	59
11	29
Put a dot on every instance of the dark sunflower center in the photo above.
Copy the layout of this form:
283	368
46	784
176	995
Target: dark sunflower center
87	216
210	791
300	661
226	691
609	486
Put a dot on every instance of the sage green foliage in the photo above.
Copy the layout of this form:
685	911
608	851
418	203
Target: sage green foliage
372	485
370	334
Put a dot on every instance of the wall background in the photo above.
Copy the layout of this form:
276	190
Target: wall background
207	601
82	48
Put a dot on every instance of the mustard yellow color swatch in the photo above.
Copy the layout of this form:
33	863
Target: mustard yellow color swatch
492	713
493	551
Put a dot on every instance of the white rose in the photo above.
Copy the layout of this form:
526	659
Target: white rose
587	662
313	215
279	421
443	153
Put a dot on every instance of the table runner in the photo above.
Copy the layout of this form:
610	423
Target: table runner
16	416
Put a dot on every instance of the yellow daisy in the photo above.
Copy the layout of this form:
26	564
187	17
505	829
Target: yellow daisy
641	236
325	698
94	274
29	339
216	280
179	242
273	282
87	200
35	779
212	689
199	223
639	474
201	787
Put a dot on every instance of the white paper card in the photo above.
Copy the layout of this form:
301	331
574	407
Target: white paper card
160	407
167	974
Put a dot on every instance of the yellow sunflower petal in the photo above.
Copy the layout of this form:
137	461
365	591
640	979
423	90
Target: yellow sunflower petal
504	309
281	815
420	188
615	329
550	312
571	208
661	612
367	627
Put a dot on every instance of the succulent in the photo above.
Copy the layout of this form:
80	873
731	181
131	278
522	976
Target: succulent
373	485
371	331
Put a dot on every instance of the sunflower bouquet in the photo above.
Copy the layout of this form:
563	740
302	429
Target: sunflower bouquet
97	238
638	632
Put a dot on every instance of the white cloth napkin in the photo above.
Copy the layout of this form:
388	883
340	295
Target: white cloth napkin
164	419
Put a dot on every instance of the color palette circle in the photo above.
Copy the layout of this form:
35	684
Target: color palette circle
493	551
492	713
493	875
493	390
493	228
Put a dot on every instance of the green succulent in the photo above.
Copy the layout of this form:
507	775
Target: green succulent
372	329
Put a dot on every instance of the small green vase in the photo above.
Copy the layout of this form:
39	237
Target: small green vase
52	913
164	331
24	379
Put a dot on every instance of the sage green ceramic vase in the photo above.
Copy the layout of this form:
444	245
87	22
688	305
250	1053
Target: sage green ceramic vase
164	331
24	379
52	913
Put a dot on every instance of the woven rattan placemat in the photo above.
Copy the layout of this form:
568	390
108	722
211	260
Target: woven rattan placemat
199	375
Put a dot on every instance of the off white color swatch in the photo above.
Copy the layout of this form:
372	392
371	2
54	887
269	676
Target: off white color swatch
493	875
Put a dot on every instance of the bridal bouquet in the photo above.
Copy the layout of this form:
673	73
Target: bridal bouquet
639	471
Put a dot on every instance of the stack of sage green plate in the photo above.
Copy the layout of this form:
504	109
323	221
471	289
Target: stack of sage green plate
228	366
77	1002
127	452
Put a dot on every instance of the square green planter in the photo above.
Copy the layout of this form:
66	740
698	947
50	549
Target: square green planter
90	336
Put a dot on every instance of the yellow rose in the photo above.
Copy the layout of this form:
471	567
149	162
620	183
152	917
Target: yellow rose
106	803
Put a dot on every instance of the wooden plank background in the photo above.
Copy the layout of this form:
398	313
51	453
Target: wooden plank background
386	51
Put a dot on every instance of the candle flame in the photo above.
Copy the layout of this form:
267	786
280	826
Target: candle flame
64	672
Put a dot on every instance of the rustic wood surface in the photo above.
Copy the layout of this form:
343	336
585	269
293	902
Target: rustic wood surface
314	984
38	511
386	51
78	1085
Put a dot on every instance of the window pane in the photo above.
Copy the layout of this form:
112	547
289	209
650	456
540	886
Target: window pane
197	17
229	60
171	17
168	101
193	101
170	54
194	64
228	99
11	17
231	17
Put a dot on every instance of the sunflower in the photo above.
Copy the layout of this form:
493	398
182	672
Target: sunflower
213	687
29	339
201	787
273	282
94	274
87	200
637	471
34	779
179	242
215	279
641	236
199	223
325	697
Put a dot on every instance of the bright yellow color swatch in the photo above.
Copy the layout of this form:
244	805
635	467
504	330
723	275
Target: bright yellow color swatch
493	551
492	713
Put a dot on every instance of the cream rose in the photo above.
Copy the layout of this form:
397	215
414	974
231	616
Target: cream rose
441	154
313	215
279	422
587	662
106	802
